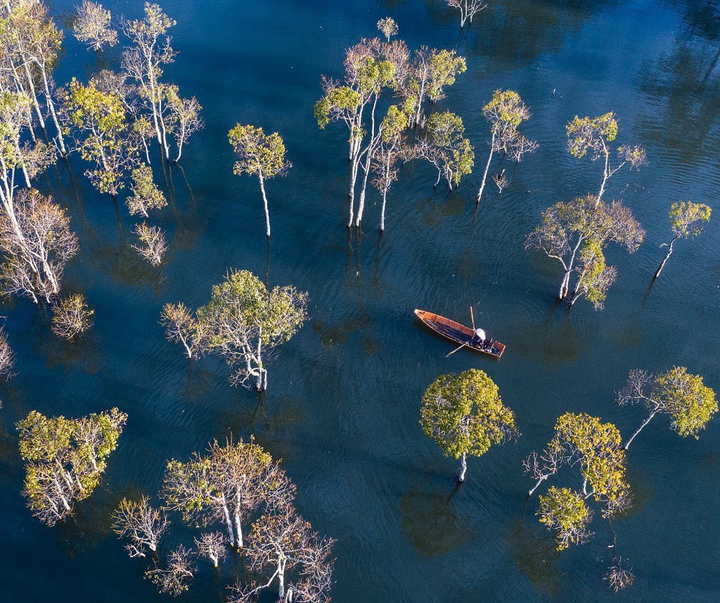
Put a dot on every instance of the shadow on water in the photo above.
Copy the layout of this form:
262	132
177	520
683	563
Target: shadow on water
431	523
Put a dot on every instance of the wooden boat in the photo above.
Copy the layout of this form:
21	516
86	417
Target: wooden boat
460	333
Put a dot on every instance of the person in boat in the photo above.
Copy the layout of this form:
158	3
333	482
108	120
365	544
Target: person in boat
478	338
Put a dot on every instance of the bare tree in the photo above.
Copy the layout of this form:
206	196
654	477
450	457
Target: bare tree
7	356
36	240
185	117
387	27
141	524
174	579
213	546
468	9
183	327
71	316
93	26
619	577
152	245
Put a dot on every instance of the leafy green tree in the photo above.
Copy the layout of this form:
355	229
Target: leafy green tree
225	487
593	447
681	395
686	222
64	459
594	134
575	233
566	513
259	154
367	73
146	194
99	122
245	322
92	26
505	112
446	147
464	415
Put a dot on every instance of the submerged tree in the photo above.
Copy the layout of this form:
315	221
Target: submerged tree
575	234
183	327
141	524
595	448
468	9
7	356
64	459
279	542
37	243
261	155
686	222
92	26
174	579
146	194
245	322
505	112
445	146
71	316
152	244
594	134
677	393
464	415
225	487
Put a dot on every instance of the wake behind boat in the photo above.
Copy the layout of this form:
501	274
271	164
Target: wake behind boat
460	333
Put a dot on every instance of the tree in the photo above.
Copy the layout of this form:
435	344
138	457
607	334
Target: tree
445	146
245	322
258	155
505	112
367	73
141	524
64	459
7	356
181	326
71	316
146	195
468	9
594	134
575	233
225	487
392	148
175	578
677	393
387	27
686	222
279	542
98	119
152	245
92	26
464	415
582	441
565	512
212	545
185	117
144	63
37	243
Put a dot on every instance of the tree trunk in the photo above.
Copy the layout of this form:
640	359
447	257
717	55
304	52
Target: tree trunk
53	113
665	259
463	469
382	212
606	175
487	167
639	429
281	578
537	485
265	201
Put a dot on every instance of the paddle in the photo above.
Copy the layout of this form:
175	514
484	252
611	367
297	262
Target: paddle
472	317
456	349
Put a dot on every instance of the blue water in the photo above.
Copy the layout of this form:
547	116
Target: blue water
343	401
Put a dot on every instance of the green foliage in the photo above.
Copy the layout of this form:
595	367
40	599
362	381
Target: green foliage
64	459
686	218
146	194
506	109
449	150
684	397
445	65
464	414
565	511
592	134
258	154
